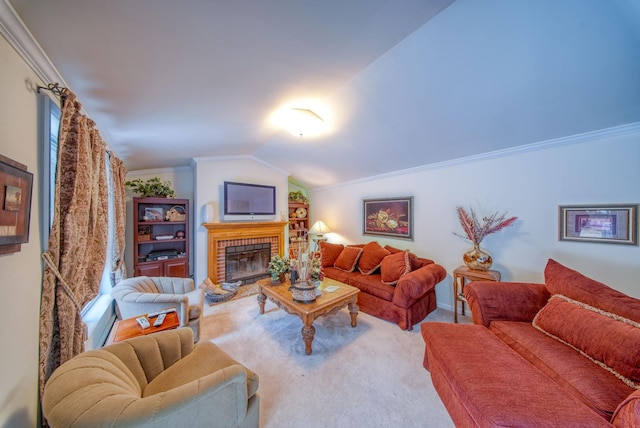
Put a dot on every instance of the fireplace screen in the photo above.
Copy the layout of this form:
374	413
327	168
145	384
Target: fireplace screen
247	263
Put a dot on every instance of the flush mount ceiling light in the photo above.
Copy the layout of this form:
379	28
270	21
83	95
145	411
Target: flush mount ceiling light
301	121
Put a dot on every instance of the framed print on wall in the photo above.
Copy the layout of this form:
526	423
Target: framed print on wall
389	217
612	224
15	204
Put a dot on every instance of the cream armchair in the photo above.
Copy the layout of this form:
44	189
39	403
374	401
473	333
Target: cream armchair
158	380
142	294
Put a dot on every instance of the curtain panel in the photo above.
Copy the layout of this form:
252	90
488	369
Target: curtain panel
76	255
118	173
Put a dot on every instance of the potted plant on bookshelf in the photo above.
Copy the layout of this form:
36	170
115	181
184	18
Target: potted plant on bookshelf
151	188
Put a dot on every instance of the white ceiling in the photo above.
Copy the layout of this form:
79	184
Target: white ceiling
400	84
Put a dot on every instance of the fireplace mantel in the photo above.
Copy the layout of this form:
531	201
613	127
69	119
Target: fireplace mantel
218	232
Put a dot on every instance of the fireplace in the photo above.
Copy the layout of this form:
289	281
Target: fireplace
247	263
224	235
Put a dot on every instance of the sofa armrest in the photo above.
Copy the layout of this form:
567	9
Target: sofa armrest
132	303
504	301
417	283
628	412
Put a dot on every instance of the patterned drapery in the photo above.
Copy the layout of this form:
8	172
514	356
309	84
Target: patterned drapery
76	255
118	173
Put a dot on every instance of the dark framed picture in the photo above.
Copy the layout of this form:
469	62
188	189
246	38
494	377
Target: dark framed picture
390	217
153	214
15	204
612	224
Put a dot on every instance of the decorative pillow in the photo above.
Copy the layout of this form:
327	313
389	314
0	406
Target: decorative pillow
372	255
392	250
416	262
330	253
348	259
607	339
394	267
562	280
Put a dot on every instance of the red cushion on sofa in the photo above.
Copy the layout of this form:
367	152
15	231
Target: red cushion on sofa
348	259
394	266
562	280
392	250
372	255
611	341
330	253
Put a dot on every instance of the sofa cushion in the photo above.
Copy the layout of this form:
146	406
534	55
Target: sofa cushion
562	280
628	412
330	252
337	274
348	258
394	266
371	284
609	340
372	255
588	382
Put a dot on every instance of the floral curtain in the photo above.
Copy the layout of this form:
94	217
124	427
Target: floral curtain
118	173
76	255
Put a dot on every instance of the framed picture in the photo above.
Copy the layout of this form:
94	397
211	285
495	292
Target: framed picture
612	224
15	204
392	217
153	214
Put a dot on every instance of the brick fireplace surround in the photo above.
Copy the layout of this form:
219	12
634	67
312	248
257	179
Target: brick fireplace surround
222	235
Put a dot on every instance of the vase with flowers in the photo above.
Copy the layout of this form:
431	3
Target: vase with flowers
475	231
278	267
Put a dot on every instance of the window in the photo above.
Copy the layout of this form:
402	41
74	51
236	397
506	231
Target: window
99	313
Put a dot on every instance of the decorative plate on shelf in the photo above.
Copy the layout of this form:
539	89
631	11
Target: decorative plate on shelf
301	212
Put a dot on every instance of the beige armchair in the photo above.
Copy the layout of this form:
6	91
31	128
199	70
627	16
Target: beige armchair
158	380
142	294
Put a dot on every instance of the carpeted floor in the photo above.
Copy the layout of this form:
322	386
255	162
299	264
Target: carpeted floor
368	376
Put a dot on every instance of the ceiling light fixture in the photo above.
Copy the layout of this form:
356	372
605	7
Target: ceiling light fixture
303	121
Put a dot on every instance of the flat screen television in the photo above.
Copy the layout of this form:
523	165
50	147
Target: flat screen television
245	201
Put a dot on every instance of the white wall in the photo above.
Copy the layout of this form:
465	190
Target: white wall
529	185
181	179
209	176
21	273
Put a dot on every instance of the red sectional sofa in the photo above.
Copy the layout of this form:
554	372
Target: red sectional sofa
394	284
561	354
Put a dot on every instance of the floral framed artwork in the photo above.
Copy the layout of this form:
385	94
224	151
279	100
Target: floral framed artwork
389	217
15	204
612	224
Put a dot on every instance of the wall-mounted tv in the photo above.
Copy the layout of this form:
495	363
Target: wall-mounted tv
245	201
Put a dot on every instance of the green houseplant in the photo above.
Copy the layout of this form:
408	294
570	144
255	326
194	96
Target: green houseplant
151	188
278	267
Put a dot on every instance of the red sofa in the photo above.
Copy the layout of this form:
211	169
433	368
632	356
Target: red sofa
394	284
561	354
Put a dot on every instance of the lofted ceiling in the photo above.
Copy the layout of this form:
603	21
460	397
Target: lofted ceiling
399	83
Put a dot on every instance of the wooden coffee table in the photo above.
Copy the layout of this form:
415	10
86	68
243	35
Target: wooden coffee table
328	303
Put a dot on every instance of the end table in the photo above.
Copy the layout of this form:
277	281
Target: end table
460	277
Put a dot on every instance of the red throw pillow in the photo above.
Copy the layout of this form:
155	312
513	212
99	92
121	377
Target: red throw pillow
348	259
371	258
392	250
394	267
330	253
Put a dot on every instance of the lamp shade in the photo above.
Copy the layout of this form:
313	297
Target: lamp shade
319	228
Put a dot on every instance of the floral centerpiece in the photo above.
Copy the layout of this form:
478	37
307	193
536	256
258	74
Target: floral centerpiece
316	267
475	231
278	267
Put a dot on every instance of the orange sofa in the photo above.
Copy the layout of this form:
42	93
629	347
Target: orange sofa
394	284
561	354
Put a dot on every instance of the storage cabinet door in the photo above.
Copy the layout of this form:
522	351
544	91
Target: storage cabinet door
176	268
149	269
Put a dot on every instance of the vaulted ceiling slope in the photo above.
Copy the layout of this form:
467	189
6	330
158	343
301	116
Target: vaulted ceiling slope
400	84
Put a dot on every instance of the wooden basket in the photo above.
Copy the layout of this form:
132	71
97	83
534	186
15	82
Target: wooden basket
176	213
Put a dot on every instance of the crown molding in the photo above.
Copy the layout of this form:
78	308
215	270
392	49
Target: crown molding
21	39
616	131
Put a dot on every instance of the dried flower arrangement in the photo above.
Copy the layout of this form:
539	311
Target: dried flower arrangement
474	231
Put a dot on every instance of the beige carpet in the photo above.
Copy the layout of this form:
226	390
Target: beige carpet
368	376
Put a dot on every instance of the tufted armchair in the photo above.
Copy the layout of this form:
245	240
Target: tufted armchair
159	380
142	294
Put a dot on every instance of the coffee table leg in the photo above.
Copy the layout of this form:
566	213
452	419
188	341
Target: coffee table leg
261	299
308	331
353	311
